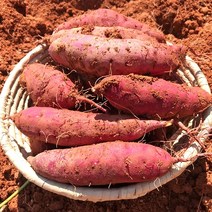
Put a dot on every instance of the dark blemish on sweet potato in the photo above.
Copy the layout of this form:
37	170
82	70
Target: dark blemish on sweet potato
156	95
128	49
61	48
116	49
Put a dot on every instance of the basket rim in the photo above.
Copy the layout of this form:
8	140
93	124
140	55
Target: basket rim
131	191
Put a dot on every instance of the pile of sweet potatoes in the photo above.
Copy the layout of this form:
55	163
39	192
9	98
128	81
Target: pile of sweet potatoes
97	131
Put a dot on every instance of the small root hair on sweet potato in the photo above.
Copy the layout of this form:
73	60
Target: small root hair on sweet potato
99	56
110	18
74	128
153	97
48	86
104	164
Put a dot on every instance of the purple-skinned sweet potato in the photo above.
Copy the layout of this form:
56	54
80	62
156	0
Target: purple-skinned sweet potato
110	18
104	164
153	97
74	128
50	87
100	56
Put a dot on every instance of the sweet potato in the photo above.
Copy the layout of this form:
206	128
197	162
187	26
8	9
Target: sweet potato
100	56
74	128
107	32
153	97
103	164
107	17
50	87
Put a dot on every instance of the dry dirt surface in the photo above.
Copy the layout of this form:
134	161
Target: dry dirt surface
24	23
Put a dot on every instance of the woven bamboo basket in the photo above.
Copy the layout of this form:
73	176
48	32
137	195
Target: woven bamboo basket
16	146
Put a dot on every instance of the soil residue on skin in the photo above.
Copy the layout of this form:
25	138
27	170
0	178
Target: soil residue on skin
87	29
113	33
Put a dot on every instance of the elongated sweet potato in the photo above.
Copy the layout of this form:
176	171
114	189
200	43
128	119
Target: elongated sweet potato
100	56
107	17
107	32
74	128
153	97
104	163
51	88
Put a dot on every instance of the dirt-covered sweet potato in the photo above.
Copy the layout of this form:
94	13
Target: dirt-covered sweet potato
103	164
108	17
50	87
153	97
101	56
74	128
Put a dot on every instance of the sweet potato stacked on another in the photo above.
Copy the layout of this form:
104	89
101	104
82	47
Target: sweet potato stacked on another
104	147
